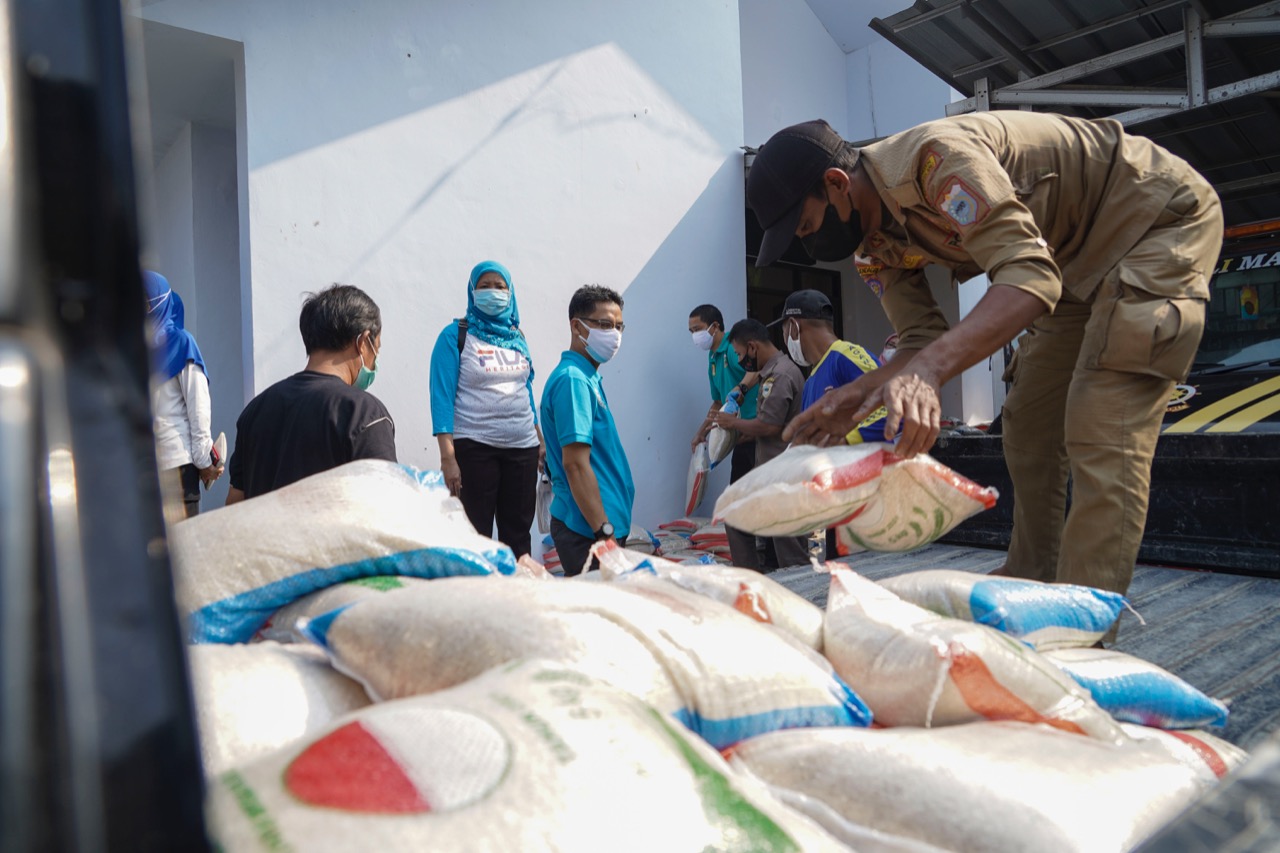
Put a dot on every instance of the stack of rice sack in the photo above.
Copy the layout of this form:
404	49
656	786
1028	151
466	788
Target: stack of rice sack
550	556
642	541
990	744
470	702
876	500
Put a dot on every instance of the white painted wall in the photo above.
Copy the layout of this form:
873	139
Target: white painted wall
889	92
792	70
172	236
393	144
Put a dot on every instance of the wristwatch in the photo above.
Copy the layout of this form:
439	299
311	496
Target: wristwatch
605	531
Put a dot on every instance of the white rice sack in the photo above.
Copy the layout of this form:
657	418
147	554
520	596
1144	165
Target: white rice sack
720	444
529	757
992	787
696	482
282	626
640	539
744	590
724	676
915	668
1136	691
254	699
1210	757
1048	616
234	567
919	501
802	489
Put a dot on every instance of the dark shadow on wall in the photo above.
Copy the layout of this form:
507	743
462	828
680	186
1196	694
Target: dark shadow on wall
659	400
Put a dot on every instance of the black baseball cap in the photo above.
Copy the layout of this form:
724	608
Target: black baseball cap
784	170
807	305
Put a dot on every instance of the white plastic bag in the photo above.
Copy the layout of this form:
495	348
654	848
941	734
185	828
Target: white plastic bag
720	444
531	756
696	483
543	502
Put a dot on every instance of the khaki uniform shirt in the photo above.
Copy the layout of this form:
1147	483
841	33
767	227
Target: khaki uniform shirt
1044	203
781	387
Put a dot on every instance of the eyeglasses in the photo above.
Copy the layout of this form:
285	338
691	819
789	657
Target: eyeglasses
604	325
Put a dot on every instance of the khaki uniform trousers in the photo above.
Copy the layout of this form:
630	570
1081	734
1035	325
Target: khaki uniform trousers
1090	386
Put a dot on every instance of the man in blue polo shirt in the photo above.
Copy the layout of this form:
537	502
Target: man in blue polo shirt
590	477
808	327
724	374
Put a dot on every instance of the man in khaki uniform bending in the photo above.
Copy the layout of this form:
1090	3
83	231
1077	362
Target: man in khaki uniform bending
1099	244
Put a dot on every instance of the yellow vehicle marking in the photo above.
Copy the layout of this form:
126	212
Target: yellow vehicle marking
1248	417
1194	421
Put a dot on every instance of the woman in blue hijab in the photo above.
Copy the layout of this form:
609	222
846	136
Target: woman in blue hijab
482	409
179	396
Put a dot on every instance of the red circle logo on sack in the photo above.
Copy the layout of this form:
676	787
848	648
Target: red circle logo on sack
402	761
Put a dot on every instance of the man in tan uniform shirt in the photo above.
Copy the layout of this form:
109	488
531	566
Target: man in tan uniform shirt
1098	244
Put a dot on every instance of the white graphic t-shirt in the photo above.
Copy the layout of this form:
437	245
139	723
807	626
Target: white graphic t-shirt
493	405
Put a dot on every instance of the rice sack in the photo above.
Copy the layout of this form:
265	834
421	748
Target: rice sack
530	757
234	567
723	675
915	668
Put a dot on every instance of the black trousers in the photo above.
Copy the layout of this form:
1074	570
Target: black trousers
499	483
572	548
742	545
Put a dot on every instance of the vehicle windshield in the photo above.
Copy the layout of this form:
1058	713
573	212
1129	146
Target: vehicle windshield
1243	321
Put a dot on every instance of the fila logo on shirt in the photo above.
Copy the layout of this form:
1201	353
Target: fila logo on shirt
494	360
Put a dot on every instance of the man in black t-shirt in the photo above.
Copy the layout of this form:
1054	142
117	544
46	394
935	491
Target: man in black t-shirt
322	417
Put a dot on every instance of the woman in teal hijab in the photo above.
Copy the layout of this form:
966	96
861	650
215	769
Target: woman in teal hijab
482	410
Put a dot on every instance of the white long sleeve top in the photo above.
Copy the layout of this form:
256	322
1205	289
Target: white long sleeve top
182	410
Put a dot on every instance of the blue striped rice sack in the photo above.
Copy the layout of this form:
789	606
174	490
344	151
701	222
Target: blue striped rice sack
1135	691
235	567
724	676
1043	615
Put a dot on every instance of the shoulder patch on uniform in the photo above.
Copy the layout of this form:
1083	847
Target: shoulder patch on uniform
912	260
766	387
876	240
931	160
961	204
868	270
876	285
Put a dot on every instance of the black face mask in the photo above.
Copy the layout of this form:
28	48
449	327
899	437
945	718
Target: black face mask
834	240
749	364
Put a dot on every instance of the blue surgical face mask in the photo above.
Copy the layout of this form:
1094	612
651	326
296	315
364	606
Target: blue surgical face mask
366	376
491	301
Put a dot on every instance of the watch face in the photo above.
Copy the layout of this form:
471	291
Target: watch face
606	530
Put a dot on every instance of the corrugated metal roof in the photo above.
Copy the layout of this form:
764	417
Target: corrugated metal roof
1133	57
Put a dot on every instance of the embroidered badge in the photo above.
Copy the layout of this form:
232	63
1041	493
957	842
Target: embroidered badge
931	160
876	240
911	261
953	240
877	287
960	204
868	270
766	388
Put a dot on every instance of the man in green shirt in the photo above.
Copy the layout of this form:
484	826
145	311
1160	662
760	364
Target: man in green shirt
706	326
